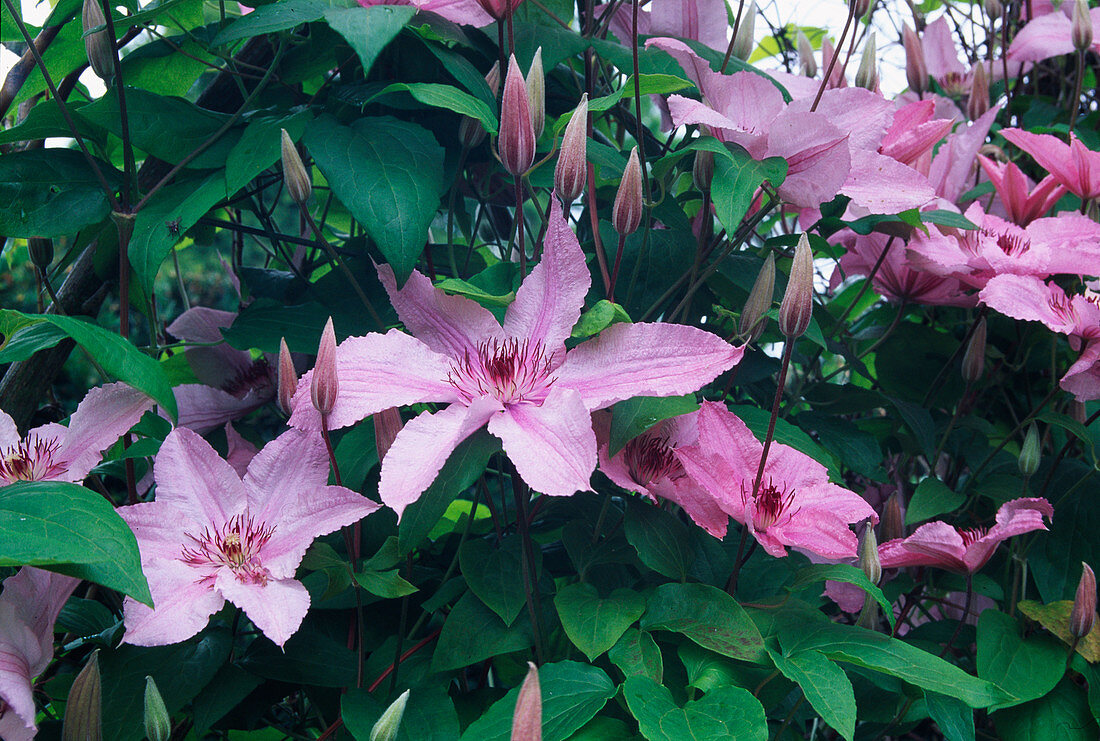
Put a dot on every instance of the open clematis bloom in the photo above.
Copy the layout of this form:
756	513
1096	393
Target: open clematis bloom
517	378
213	536
1073	165
477	13
54	452
964	551
796	505
29	606
1023	202
1049	35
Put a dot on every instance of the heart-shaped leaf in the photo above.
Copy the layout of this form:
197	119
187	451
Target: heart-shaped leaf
724	713
593	624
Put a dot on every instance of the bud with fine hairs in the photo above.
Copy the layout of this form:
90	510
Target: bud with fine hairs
916	68
527	720
1031	452
978	102
516	143
754	317
387	423
745	40
1082	617
84	708
298	182
288	379
40	250
994	9
385	729
1081	28
572	167
867	74
470	131
536	93
101	55
702	171
798	300
872	568
807	63
158	723
626	214
973	363
325	386
892	525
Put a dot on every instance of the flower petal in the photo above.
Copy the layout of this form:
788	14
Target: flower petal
98	422
204	408
277	608
931	544
194	479
217	363
161	529
886	186
9	432
183	605
239	452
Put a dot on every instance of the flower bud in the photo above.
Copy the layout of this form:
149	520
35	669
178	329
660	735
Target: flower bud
158	724
387	423
627	211
1083	615
745	40
572	167
798	300
325	385
892	524
101	55
516	144
1081	32
499	9
978	102
385	729
288	379
859	8
298	182
40	250
868	554
754	317
916	68
867	74
994	9
527	720
470	131
84	708
1077	411
1030	452
807	63
536	93
702	172
973	362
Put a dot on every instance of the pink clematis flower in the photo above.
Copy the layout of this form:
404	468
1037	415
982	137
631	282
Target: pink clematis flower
1073	165
517	378
29	606
213	536
477	13
896	278
964	551
705	21
796	506
54	452
1022	202
914	132
1049	35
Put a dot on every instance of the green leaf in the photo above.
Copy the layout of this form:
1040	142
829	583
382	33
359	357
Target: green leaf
385	584
593	624
465	288
224	692
67	528
756	419
931	499
1026	668
845	573
1055	617
474	633
601	316
275	17
429	715
722	714
662	541
736	179
1070	425
260	146
825	685
369	30
389	174
28	340
632	417
495	574
954	718
311	656
706	615
1060	715
637	653
572	693
51	192
447	97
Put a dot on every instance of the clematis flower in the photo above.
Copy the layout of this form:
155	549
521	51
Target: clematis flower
517	378
213	536
796	505
464	12
54	452
896	278
914	132
29	606
1022	202
964	551
705	21
1049	35
1073	165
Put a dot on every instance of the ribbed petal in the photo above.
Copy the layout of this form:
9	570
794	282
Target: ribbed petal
183	606
193	478
98	422
277	608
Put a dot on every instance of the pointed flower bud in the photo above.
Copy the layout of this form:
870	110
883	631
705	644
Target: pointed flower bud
745	40
536	93
387	423
627	211
527	721
978	102
516	144
470	131
754	317
298	182
97	46
807	63
385	729
798	301
973	362
325	385
868	554
994	9
1081	32
859	8
892	524
702	172
867	74
916	68
288	379
1083	615
1030	452
84	709
572	167
158	724
40	250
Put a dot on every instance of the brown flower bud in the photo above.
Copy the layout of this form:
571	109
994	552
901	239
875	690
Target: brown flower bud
807	63
702	172
892	524
84	709
387	423
798	300
288	379
516	144
1081	30
916	68
572	167
1083	615
98	47
298	182
40	250
973	362
1031	452
627	211
859	8
470	131
745	40
994	9
867	74
158	723
978	102
754	317
325	386
536	93
527	720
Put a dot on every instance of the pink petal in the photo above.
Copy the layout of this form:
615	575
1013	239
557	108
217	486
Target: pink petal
9	432
818	159
423	446
240	452
860	114
701	20
695	66
932	544
700	506
204	408
15	682
377	372
685	111
886	186
183	605
98	422
820	533
1052	154
1016	517
36	597
751	101
1042	38
658	359
1074	242
160	528
940	53
277	608
219	363
951	169
449	325
1028	298
549	301
552	445
1083	377
194	479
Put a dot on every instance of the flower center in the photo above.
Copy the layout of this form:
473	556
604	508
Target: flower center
771	505
972	535
649	458
256	375
235	545
510	370
955	84
30	460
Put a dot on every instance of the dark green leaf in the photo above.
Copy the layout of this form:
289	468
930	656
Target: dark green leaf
954	718
260	146
931	499
29	340
848	574
736	180
722	714
1026	668
429	715
369	30
1061	715
706	615
826	687
632	417
224	692
593	624
311	656
637	653
662	541
385	584
495	574
51	192
276	17
447	97
474	633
